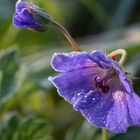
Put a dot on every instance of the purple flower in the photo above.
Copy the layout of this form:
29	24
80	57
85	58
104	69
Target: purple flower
97	87
30	16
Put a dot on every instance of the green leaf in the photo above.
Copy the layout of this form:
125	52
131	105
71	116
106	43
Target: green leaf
31	128
133	133
6	129
12	74
84	132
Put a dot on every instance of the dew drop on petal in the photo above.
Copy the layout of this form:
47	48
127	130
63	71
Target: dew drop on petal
85	96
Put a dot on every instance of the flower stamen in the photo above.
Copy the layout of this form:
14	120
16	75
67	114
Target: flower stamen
101	85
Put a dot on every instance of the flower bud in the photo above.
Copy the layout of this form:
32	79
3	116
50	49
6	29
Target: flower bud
30	16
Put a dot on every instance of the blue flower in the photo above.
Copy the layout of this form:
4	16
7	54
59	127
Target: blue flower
97	87
30	16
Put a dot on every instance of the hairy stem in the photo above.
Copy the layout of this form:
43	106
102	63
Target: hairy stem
67	35
117	52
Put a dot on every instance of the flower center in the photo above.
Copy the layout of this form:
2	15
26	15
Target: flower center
101	85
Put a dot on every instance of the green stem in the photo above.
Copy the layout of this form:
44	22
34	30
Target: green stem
104	134
43	15
117	52
67	35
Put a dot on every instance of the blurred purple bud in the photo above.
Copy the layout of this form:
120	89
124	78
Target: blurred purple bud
30	16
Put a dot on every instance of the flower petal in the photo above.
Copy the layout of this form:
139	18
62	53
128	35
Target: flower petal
25	16
115	110
133	102
101	59
30	16
73	85
23	25
65	62
123	79
118	116
97	114
25	19
85	100
20	5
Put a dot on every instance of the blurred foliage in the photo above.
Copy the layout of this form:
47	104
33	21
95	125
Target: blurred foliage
26	129
11	74
30	107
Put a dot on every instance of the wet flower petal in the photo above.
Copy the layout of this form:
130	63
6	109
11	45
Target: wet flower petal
97	114
98	88
70	84
123	79
102	60
134	108
66	62
85	100
118	116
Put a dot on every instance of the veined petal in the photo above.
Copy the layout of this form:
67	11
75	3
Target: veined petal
102	60
118	116
65	62
84	100
123	79
105	62
97	114
98	88
72	83
133	102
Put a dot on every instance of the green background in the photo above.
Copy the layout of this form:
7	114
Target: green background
30	107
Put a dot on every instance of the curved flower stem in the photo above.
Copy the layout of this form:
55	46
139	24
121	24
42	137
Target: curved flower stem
117	52
49	19
67	35
104	134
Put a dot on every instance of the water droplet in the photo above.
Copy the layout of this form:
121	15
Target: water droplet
90	91
90	118
84	101
79	94
122	106
119	121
